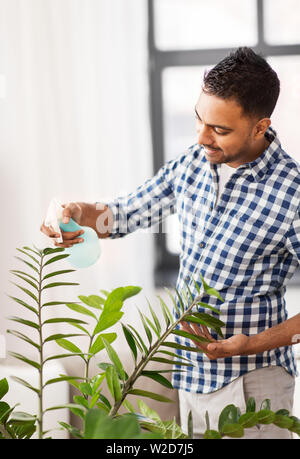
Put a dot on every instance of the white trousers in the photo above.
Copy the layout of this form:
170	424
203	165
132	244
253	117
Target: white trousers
272	382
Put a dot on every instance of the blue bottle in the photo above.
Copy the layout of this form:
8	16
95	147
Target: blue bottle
86	253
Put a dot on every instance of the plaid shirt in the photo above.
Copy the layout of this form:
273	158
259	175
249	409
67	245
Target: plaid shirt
246	245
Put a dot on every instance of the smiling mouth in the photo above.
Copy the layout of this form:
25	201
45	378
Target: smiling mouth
211	151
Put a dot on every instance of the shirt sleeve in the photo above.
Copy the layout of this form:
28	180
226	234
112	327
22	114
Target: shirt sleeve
293	237
148	205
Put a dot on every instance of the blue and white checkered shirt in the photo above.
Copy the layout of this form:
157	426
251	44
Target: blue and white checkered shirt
246	245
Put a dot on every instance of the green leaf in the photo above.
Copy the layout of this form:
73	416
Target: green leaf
81	309
209	290
85	388
105	401
204	319
58	273
62	356
33	251
229	415
51	251
24	338
24	359
155	318
233	430
153	326
265	404
207	306
152	395
170	362
183	348
248	420
113	382
158	378
66	344
180	302
99	425
251	405
19	416
3	387
190	425
4	412
190	336
283	412
60	379
60	407
26	384
59	284
147	411
28	255
54	259
22	303
29	323
173	301
107	320
139	341
166	311
130	341
114	358
265	416
80	400
61	335
98	344
147	329
28	292
172	354
212	435
28	264
29	281
93	301
128	406
23	273
284	422
54	303
64	319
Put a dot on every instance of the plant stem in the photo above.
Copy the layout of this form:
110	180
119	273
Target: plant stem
40	395
145	360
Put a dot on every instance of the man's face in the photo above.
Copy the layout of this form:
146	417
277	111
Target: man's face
227	135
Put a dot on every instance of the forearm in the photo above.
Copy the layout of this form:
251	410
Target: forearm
284	334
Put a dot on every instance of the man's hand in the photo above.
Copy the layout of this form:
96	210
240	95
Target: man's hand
85	214
71	210
236	345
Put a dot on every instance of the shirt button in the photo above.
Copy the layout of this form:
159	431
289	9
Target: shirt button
202	245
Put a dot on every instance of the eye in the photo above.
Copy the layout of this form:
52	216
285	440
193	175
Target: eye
220	131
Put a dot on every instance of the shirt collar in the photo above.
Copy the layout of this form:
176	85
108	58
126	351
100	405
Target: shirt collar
260	166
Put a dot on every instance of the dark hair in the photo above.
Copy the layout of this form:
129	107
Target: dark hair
247	78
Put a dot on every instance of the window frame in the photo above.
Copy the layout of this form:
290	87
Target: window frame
166	263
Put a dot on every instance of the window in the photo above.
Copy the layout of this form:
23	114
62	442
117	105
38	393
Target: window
187	37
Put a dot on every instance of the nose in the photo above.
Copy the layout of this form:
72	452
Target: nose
204	136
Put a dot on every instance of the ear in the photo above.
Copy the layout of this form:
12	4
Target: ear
261	127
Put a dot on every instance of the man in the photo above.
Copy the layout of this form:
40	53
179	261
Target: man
236	193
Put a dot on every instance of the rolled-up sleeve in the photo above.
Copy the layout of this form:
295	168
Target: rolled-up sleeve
148	205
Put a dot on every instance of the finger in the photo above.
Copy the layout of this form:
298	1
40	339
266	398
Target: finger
69	211
71	235
206	333
49	231
67	244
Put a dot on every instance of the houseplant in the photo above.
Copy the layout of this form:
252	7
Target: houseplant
106	310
